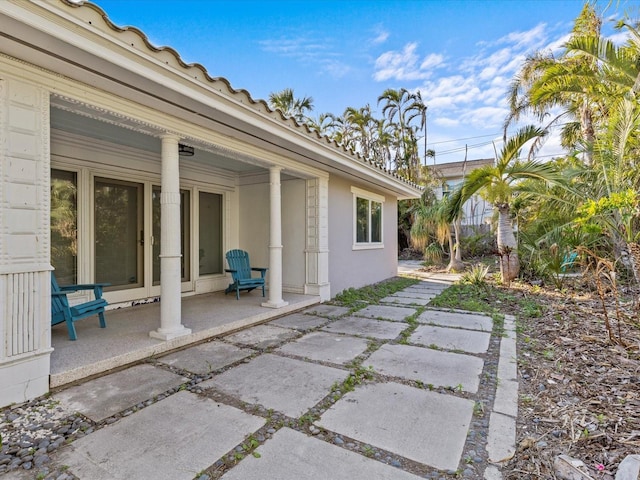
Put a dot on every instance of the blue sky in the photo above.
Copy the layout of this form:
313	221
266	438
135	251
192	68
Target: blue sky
462	55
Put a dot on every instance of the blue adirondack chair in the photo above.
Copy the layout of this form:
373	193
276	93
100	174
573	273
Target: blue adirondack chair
568	260
61	311
240	270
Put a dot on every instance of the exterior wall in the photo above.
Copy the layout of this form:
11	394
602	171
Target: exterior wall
357	268
254	229
25	285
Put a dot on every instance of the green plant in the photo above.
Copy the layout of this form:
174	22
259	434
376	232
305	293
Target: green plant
432	254
367	450
477	276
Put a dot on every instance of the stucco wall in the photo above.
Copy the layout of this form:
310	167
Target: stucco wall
357	268
254	229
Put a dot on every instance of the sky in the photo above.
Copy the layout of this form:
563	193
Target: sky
460	54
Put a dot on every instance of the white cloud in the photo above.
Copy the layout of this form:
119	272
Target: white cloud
308	50
446	122
486	117
382	35
404	65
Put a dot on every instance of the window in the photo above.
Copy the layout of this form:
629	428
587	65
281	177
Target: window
367	219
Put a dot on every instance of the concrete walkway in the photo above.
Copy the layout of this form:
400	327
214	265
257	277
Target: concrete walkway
391	391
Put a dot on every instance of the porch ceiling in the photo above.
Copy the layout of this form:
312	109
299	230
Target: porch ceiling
122	132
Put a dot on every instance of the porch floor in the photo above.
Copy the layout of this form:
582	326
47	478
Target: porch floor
126	338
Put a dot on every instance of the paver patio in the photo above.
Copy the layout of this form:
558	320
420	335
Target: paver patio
186	432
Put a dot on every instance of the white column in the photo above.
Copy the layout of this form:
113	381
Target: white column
275	241
170	277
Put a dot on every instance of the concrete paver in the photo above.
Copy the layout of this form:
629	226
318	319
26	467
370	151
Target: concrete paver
501	439
432	367
286	385
470	321
326	347
262	336
105	396
366	327
398	314
148	444
325	310
422	295
305	455
451	338
300	321
404	420
426	287
406	300
207	357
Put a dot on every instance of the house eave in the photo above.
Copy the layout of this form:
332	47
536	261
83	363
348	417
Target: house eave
88	48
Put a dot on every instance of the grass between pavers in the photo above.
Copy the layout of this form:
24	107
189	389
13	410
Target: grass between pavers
355	299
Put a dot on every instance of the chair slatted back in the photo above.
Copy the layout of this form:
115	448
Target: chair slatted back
238	260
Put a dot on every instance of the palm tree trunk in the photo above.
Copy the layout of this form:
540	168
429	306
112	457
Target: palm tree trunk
507	246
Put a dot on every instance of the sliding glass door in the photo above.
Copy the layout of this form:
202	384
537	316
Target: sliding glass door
119	233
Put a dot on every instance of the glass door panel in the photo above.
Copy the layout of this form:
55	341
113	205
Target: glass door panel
64	226
210	219
185	237
119	234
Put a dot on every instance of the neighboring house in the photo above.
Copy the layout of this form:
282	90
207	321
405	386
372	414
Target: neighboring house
477	211
120	163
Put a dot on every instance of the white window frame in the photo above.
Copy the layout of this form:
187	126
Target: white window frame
370	197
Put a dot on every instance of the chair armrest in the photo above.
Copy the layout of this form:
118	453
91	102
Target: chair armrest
262	271
85	286
230	271
60	294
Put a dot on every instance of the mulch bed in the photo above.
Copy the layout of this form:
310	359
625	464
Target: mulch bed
579	386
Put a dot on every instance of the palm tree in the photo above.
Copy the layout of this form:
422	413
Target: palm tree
403	106
545	83
289	105
324	124
498	184
364	128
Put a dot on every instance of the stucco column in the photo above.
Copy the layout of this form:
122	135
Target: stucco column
275	241
170	277
317	241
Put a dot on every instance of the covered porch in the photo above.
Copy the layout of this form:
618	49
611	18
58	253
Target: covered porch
126	338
